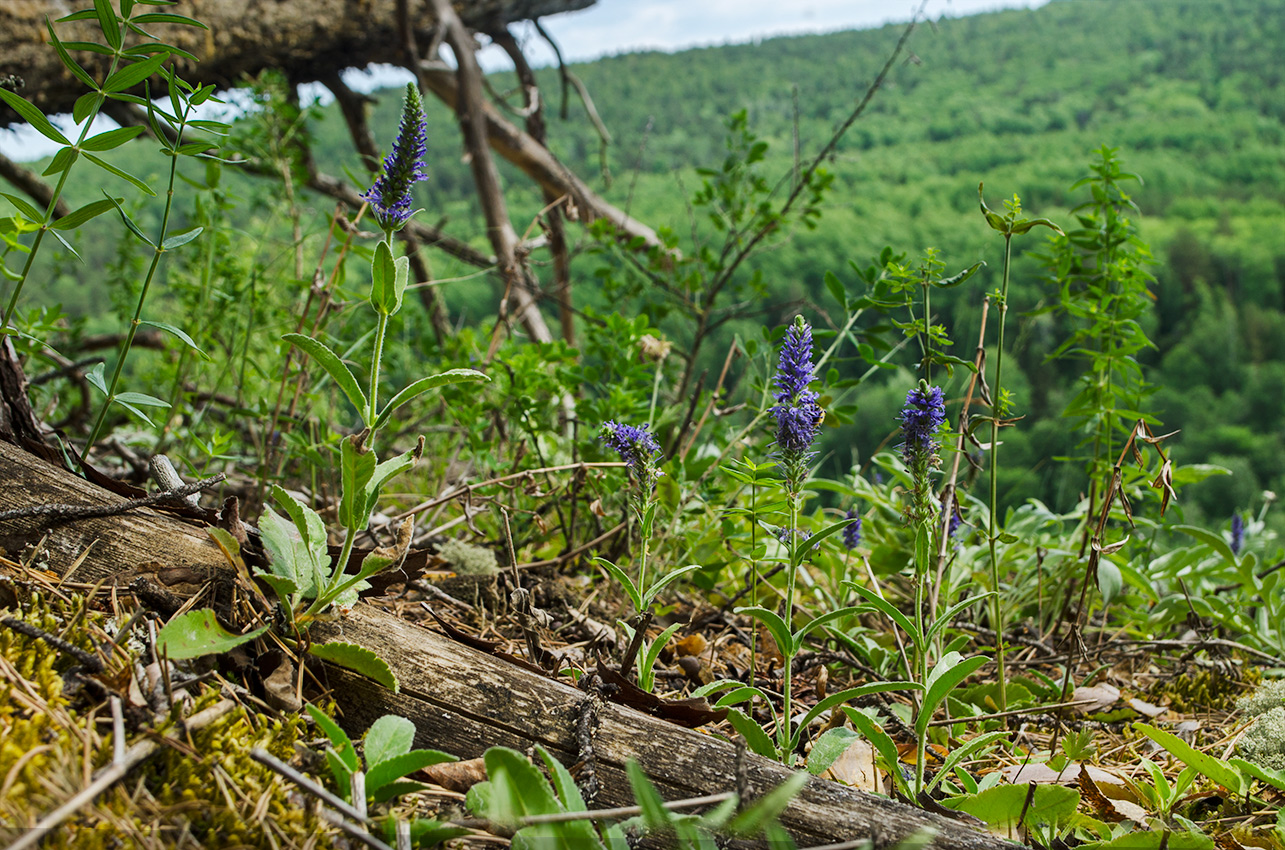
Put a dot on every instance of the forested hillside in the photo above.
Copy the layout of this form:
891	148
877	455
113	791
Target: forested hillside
1189	92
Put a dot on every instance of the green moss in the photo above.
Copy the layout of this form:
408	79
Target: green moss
203	790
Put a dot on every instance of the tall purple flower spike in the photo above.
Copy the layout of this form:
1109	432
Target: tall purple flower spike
390	197
638	448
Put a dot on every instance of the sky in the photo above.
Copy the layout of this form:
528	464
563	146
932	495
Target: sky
621	26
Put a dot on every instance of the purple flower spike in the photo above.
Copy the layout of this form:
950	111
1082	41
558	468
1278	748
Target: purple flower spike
638	448
390	197
1237	533
798	416
852	533
922	417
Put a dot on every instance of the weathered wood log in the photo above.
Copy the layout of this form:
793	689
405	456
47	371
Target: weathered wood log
307	39
461	700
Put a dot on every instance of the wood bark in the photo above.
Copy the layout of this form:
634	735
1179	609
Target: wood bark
305	38
461	700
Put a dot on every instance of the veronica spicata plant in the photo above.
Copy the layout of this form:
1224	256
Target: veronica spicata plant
798	415
304	577
922	421
640	452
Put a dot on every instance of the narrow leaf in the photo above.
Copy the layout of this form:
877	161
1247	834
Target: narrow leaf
33	116
75	219
423	385
334	367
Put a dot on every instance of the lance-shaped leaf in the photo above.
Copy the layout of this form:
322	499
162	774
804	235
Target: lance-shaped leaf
78	217
335	368
423	385
356	468
33	116
951	669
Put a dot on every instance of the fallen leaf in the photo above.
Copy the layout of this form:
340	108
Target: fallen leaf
1096	698
693	644
855	766
1107	809
458	776
1145	707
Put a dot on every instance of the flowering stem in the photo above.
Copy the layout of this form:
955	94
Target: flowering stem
996	412
784	732
375	359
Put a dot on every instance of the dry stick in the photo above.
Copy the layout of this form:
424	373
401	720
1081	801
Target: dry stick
469	108
948	494
271	762
555	226
732	352
117	770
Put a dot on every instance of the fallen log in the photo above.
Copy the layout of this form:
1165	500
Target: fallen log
461	700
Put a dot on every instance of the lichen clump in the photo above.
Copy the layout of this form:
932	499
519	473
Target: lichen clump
1264	742
467	559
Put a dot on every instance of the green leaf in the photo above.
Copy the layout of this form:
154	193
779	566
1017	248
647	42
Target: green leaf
816	623
72	65
341	755
1214	541
388	280
828	747
198	633
755	818
1275	778
75	219
948	615
338	737
33	116
65	158
168	18
1003	805
568	792
517	788
111	139
290	555
132	75
964	752
31	213
128	178
358	659
176	332
1110	581
951	669
393	768
182	238
755	738
654	814
667	580
775	625
141	398
356	468
107	22
850	694
388	736
631	589
882	741
956	280
423	385
1209	766
883	606
387	471
335	368
653	651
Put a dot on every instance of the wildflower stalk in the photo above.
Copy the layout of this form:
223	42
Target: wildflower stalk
1008	225
992	536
